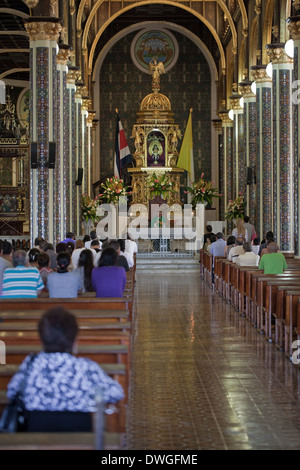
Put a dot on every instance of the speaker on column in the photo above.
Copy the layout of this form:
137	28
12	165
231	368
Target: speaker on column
251	176
51	155
79	177
33	155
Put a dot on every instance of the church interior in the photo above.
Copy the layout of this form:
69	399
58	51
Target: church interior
204	362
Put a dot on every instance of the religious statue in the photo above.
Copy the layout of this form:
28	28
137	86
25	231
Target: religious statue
174	134
157	70
138	134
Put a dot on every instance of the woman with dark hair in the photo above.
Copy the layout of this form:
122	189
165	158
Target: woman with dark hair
44	267
59	392
85	268
230	244
63	284
108	279
33	257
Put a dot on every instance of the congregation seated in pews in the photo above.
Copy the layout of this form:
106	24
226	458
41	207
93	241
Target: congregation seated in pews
104	320
266	290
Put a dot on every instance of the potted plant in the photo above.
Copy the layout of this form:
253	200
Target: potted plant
236	208
160	186
113	190
202	192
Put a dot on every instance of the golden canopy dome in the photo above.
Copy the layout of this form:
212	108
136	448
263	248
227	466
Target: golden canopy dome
155	101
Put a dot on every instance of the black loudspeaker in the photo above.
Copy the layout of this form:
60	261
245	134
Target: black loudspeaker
51	157
33	155
251	176
79	177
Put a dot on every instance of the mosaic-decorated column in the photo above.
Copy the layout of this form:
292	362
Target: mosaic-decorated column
61	173
294	28
283	162
78	126
264	149
43	34
217	123
72	77
250	133
239	160
227	156
90	159
84	141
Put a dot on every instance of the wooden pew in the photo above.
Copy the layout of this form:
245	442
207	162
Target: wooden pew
264	310
243	301
115	356
218	274
60	441
274	297
290	327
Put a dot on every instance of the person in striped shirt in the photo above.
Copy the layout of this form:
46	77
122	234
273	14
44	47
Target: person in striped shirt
22	281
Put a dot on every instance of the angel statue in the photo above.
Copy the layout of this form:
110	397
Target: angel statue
157	70
174	134
138	134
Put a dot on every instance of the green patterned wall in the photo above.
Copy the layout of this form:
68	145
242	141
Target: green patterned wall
123	86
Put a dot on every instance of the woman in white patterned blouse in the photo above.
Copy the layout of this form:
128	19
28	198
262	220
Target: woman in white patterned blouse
59	391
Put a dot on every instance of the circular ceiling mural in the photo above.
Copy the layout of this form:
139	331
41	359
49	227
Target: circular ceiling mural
157	44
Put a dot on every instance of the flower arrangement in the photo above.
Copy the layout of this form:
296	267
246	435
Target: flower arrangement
160	185
88	208
113	190
235	208
202	191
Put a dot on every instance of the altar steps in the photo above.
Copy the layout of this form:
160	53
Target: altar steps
168	265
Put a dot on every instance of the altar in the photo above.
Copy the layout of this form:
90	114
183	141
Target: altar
156	138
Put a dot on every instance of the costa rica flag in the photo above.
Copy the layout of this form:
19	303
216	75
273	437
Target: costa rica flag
123	156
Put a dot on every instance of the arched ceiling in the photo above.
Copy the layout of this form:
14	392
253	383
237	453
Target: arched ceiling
157	13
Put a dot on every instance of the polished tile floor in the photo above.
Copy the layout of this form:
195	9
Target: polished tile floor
202	376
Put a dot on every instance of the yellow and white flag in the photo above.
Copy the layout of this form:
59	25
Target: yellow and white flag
186	158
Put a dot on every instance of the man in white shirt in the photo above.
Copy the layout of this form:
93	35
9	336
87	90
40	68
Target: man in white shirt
236	250
248	258
130	249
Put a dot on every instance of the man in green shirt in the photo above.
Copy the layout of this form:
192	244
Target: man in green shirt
273	262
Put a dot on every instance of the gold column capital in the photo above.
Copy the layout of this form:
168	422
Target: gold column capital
42	29
277	54
91	117
73	75
234	101
217	123
245	90
294	27
225	118
259	74
63	54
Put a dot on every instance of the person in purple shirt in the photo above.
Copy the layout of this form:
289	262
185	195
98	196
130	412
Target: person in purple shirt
109	279
70	238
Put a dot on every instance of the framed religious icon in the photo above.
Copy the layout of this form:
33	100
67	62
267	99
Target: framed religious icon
156	149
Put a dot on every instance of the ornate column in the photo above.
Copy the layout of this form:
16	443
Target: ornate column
226	178
79	168
250	134
90	142
62	181
84	140
264	149
282	147
43	34
72	76
239	160
294	29
217	123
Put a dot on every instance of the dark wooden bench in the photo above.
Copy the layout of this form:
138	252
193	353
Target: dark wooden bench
60	441
109	354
